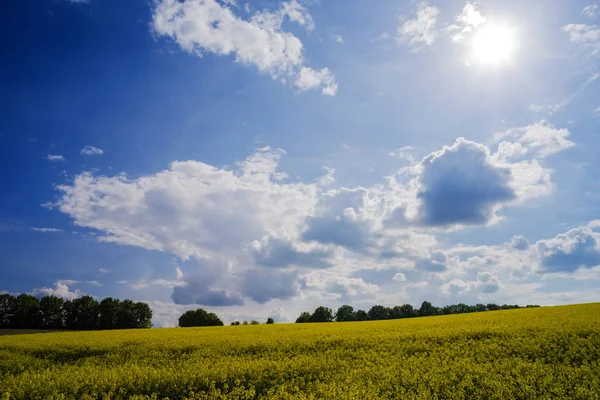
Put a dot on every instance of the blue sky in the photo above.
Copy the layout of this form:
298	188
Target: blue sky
261	158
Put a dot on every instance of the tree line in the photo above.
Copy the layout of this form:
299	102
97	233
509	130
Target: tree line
201	317
379	312
84	313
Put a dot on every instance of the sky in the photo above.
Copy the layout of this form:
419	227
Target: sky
259	159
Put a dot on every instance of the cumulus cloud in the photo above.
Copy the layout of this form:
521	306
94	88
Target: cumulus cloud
420	31
278	253
586	37
60	289
461	185
577	248
206	26
91	150
253	221
537	140
200	289
262	286
55	157
486	283
192	209
518	243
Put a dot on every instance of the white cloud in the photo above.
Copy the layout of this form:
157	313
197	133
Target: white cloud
587	37
104	270
399	277
419	31
309	78
94	283
55	157
403	153
467	21
591	10
539	140
486	283
60	289
259	236
47	230
207	27
339	39
91	150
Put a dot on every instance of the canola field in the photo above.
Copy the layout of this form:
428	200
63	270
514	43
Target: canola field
549	353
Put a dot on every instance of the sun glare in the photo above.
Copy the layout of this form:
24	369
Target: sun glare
493	45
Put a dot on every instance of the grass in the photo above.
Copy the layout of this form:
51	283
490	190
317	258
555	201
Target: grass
550	353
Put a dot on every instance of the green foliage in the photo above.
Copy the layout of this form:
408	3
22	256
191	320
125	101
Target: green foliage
533	353
7	309
345	313
361	315
270	321
379	312
254	322
52	312
200	317
304	317
322	314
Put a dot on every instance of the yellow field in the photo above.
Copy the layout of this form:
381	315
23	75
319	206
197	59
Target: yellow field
548	353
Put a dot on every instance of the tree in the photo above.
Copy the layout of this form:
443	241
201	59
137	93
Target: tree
235	323
270	321
109	309
26	312
492	307
427	309
322	314
126	315
345	313
304	317
7	310
143	315
361	315
379	312
245	322
480	307
52	312
408	311
82	313
254	322
199	317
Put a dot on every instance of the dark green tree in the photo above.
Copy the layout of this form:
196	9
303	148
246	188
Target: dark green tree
143	315
480	307
7	310
361	315
379	312
26	312
126	317
52	312
408	311
235	323
270	321
254	322
304	317
199	317
109	309
322	314
345	313
82	313
492	307
427	309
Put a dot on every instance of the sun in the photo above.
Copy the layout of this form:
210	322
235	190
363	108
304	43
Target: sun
493	45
